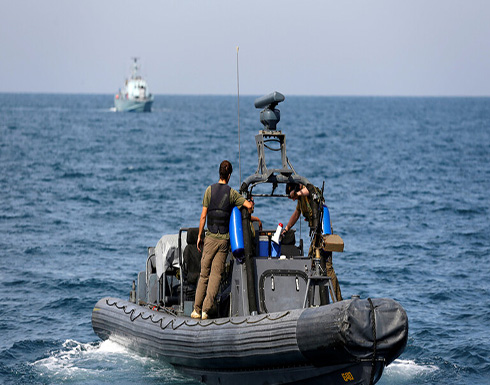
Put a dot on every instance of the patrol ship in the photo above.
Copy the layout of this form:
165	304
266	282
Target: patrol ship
277	319
135	95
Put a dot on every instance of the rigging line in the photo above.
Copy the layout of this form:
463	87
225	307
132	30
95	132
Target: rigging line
238	100
373	323
176	325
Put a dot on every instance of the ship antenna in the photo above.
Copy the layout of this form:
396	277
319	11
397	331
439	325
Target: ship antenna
238	99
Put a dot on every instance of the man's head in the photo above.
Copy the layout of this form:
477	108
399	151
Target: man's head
225	170
292	187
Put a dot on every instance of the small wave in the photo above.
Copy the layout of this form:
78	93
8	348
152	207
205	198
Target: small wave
84	199
63	362
109	346
73	174
407	369
81	361
104	362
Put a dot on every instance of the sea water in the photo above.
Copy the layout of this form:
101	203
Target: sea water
84	191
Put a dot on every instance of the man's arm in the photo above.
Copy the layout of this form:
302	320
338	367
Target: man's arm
301	193
237	200
256	219
248	204
292	220
202	222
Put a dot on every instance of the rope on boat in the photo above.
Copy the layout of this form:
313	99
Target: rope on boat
373	323
175	325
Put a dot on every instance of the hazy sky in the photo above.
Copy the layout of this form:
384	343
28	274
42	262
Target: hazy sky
302	47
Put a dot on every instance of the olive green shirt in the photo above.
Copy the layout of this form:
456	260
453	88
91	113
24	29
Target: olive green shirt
303	206
235	199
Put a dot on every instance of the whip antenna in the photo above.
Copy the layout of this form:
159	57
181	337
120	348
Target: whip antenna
238	97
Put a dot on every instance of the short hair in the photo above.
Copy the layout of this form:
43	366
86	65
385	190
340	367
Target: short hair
292	186
225	169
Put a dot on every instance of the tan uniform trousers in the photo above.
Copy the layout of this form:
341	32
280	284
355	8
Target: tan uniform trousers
333	277
213	260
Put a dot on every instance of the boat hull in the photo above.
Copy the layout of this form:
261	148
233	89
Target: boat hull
332	344
132	105
352	373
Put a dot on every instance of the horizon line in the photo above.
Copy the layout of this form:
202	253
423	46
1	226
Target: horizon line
259	94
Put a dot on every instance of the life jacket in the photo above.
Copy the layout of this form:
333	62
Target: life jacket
219	209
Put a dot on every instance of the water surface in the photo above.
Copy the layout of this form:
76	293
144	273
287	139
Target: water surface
85	191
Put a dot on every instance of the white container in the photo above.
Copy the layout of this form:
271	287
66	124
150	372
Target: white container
276	238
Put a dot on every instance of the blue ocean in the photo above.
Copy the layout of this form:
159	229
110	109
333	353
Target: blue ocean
85	190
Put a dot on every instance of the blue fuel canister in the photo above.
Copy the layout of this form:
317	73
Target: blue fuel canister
327	227
236	234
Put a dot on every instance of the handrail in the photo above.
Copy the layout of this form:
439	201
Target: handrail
181	262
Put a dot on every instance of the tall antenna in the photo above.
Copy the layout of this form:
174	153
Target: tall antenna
238	96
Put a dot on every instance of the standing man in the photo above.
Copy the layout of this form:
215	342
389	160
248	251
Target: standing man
305	206
219	200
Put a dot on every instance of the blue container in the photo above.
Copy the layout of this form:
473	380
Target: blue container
275	249
264	247
327	227
236	234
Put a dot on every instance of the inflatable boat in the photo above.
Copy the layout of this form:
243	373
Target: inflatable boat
277	318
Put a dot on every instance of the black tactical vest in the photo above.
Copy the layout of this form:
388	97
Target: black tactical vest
314	203
219	209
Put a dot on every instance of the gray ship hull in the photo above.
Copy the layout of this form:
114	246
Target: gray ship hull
132	105
332	344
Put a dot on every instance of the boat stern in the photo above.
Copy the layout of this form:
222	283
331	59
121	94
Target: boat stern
371	332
